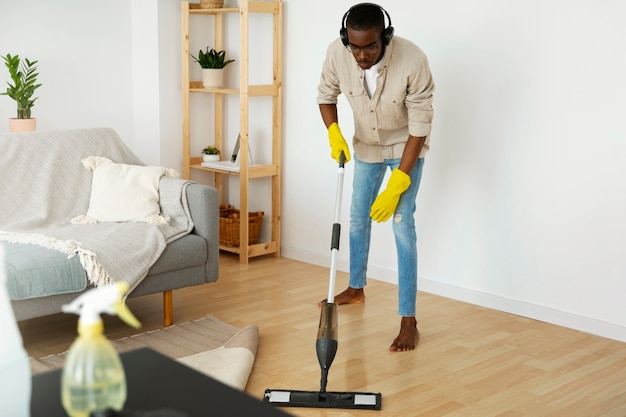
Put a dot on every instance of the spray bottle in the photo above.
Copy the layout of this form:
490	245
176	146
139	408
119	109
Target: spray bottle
93	378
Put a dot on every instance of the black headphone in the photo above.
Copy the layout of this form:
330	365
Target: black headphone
343	32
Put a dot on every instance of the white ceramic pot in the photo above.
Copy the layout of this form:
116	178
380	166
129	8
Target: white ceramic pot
212	77
210	158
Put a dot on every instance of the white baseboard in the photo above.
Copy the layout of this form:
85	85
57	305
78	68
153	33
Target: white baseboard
517	307
524	309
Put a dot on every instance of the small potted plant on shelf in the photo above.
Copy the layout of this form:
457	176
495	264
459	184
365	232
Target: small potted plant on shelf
24	77
212	63
210	154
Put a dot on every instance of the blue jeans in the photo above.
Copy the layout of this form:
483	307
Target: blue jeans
368	178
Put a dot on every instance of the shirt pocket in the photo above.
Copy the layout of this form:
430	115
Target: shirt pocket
392	110
357	97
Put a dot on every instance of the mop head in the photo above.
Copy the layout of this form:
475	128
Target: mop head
317	399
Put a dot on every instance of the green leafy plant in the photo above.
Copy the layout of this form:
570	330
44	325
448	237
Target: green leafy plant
212	58
24	77
211	150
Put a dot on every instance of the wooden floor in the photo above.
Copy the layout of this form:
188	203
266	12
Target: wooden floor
471	361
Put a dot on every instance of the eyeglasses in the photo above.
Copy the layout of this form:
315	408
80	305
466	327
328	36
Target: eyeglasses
369	50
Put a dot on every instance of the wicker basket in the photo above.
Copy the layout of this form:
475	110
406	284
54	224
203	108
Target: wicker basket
211	4
229	226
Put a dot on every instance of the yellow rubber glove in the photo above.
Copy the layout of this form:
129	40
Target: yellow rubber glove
337	143
387	201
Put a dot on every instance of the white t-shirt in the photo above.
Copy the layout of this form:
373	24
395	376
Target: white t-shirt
370	78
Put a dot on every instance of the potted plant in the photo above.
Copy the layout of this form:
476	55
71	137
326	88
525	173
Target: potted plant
212	63
24	77
210	154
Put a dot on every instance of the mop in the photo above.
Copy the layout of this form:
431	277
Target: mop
326	343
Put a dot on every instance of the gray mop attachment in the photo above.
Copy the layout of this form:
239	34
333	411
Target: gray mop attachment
317	399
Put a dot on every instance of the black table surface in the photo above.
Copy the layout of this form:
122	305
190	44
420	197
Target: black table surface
156	382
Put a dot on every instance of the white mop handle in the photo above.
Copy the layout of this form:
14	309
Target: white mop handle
339	194
333	276
335	238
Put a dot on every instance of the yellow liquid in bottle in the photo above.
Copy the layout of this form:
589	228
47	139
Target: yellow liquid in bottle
93	378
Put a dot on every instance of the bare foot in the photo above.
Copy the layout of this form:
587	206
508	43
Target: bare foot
408	337
349	296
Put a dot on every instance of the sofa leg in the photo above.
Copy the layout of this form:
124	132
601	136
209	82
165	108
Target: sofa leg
168	309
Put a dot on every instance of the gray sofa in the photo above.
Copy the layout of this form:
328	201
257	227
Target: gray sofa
189	260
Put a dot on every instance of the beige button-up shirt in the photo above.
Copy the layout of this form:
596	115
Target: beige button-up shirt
400	106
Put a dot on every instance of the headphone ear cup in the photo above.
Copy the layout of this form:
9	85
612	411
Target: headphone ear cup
387	35
343	34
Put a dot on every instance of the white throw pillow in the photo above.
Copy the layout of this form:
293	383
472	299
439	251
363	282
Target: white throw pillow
123	193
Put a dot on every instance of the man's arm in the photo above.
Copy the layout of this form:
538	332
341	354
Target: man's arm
329	114
420	111
411	153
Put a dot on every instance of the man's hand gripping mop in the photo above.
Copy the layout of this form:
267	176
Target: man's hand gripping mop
327	342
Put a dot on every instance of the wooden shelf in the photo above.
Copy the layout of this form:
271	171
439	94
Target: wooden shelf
257	249
265	90
254	171
273	7
245	173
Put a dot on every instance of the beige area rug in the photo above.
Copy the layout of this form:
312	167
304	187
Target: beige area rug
208	345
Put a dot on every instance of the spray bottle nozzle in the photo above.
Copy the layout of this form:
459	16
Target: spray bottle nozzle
107	299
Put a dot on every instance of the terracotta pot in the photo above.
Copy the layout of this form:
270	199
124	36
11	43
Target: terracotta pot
22	125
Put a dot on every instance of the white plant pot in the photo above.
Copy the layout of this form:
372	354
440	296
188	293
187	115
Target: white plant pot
210	158
212	77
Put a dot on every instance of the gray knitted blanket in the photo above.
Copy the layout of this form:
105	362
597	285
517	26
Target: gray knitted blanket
43	186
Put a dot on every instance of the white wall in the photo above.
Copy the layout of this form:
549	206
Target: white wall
111	64
521	206
526	202
85	58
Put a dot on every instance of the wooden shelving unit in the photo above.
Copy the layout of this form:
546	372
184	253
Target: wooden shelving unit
245	91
